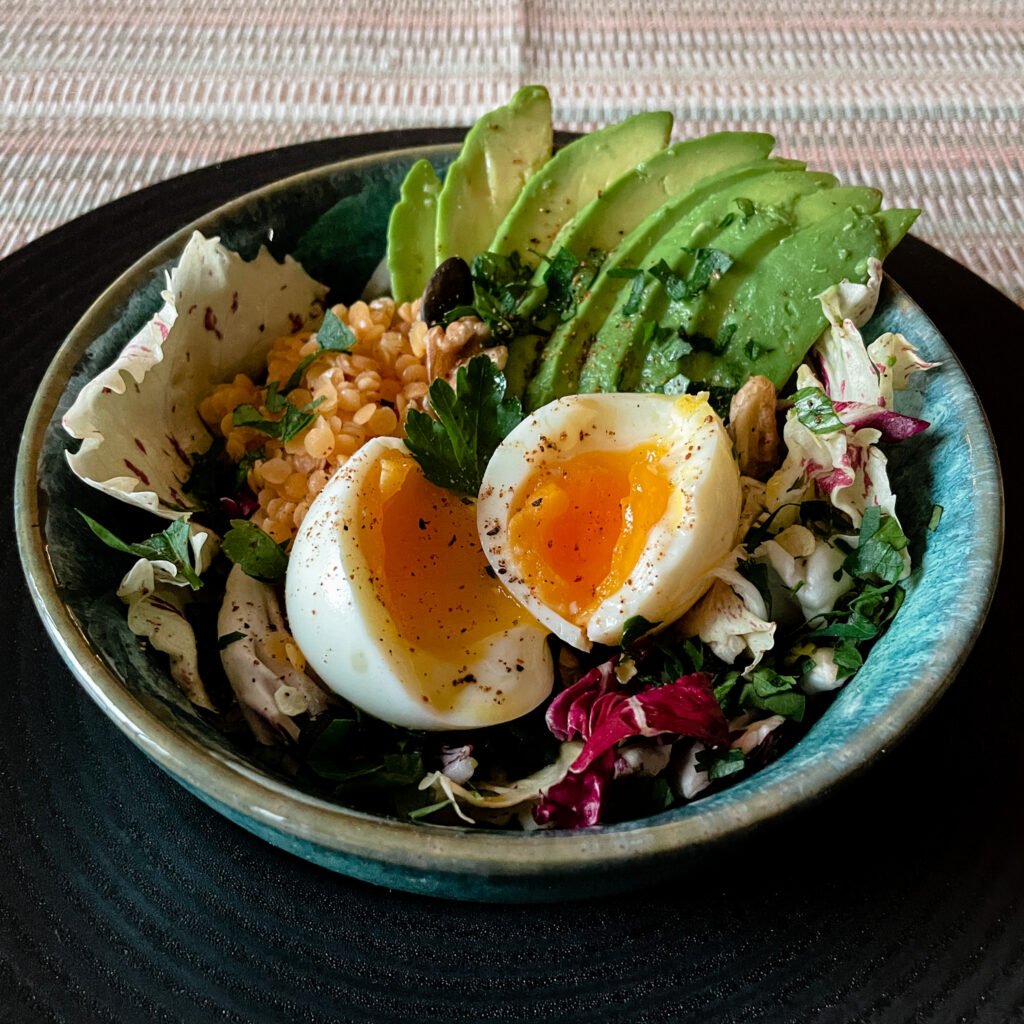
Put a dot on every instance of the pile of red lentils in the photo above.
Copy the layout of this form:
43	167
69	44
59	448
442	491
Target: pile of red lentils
366	392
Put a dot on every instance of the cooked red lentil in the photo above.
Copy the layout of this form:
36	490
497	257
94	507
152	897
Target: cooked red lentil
366	393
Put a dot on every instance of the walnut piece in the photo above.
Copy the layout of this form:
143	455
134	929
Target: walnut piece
453	346
754	429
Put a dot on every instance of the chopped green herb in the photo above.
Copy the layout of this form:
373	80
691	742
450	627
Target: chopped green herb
755	349
664	348
634	628
636	287
291	424
423	812
170	545
746	206
936	518
879	553
815	411
259	555
228	639
720	764
768	690
846	656
708	266
472	421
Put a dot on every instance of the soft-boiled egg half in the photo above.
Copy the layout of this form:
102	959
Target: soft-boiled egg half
394	606
599	508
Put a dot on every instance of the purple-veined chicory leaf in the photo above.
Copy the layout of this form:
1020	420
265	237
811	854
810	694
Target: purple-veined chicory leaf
602	712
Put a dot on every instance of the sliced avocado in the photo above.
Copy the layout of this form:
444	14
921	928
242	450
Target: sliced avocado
501	152
411	232
572	178
776	314
728	222
612	214
820	204
557	370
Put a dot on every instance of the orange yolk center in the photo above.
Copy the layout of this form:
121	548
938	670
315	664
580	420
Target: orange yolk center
430	573
582	524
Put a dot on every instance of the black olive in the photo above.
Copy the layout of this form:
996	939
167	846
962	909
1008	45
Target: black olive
449	286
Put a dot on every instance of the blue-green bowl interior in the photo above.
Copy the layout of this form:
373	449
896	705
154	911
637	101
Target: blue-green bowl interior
953	465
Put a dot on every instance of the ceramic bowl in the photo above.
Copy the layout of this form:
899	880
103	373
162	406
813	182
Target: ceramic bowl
953	465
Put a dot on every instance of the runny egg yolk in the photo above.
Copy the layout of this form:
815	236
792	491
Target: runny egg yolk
582	523
430	573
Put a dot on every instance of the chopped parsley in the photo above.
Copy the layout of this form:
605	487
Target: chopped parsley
259	555
636	288
879	552
708	265
170	545
333	335
815	411
292	422
472	420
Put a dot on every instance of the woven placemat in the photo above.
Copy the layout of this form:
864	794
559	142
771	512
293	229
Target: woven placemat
922	98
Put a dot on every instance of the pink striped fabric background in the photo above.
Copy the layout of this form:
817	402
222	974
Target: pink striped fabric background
923	98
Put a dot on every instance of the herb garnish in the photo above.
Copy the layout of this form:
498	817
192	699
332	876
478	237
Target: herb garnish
708	265
292	423
879	552
472	420
815	411
259	555
636	288
333	335
170	545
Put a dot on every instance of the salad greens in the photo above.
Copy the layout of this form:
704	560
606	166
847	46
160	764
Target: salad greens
595	299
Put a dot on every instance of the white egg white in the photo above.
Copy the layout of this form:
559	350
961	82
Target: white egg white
342	625
696	531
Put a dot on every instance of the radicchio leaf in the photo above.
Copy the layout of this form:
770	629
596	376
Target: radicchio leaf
602	712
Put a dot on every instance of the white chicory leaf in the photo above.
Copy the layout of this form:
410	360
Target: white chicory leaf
139	420
259	655
156	597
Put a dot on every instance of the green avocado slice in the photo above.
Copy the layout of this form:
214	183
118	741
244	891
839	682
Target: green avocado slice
744	221
501	152
819	205
701	316
555	370
411	232
611	215
776	314
572	178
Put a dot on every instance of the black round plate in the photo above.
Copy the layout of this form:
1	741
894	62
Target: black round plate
125	899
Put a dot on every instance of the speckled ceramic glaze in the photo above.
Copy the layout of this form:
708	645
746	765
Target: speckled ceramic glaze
953	465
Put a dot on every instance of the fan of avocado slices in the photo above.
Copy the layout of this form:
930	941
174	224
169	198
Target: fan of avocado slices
622	263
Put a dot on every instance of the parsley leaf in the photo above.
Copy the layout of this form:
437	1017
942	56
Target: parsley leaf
815	411
708	265
718	764
333	335
170	545
664	348
879	553
229	638
635	627
768	690
636	288
292	423
259	555
472	421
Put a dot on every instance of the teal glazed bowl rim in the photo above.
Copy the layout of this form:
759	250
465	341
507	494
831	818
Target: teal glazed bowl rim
955	465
